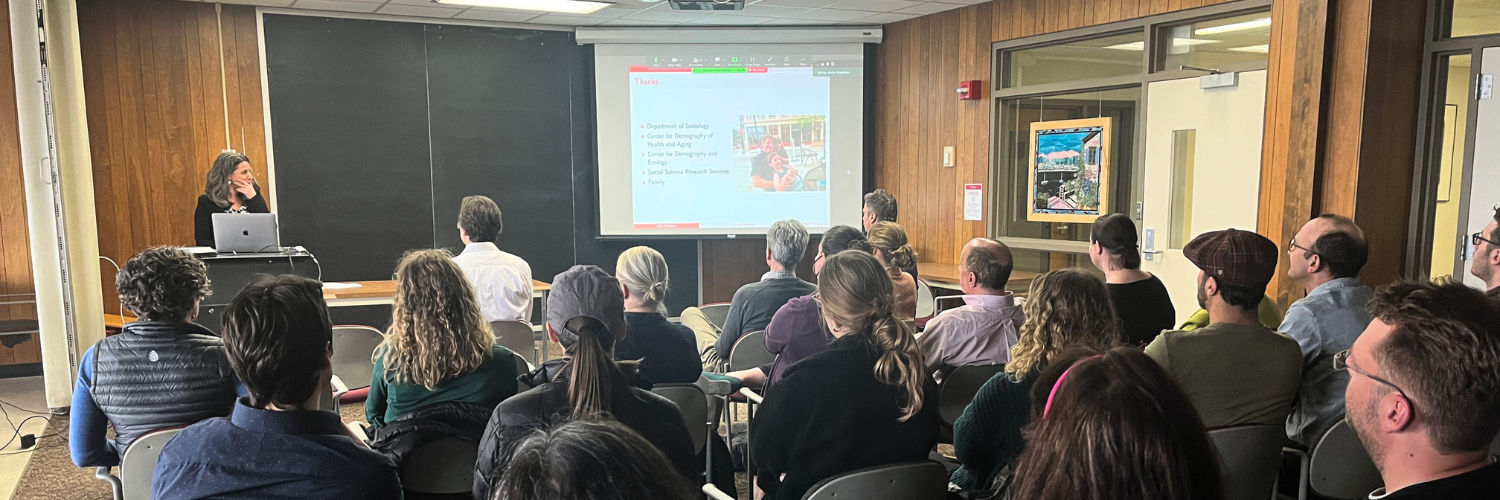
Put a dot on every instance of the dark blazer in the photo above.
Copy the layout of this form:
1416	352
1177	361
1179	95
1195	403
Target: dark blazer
829	415
203	218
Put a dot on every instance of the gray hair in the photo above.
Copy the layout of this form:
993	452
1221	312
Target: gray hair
787	241
217	187
644	272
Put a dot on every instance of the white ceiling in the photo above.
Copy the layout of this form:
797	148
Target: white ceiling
641	13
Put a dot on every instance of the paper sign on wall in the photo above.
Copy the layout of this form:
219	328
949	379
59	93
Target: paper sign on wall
973	201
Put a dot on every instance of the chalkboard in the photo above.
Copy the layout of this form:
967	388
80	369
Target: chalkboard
379	128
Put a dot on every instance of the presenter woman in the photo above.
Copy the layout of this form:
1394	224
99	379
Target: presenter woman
231	188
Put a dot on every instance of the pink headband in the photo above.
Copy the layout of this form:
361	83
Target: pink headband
1048	409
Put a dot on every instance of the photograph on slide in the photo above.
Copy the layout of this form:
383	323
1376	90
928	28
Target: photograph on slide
780	153
1069	171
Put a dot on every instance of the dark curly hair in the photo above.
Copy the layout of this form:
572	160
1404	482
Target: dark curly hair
162	283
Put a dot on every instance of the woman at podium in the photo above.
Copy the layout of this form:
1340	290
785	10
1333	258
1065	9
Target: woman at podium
231	188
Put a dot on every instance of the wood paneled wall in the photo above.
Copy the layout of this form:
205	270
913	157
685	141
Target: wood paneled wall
916	113
15	246
157	105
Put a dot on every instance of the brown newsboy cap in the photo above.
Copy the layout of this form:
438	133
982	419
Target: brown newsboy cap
1236	257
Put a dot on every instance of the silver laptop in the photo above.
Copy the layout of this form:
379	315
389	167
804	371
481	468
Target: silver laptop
246	233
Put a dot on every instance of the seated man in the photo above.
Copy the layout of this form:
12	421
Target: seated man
1326	257
880	206
502	280
1235	370
1486	265
982	331
277	443
159	372
1424	394
754	304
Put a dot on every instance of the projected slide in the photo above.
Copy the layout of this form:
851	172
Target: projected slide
728	144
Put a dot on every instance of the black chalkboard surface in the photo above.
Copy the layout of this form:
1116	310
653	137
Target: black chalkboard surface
379	128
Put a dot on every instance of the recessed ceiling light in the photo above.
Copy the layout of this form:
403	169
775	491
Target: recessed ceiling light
1176	42
1129	46
1259	49
563	6
1240	26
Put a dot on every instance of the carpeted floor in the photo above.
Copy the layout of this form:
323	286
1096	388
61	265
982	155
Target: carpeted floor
52	475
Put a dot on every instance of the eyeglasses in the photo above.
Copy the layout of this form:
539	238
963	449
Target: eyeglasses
1293	244
1341	362
1479	236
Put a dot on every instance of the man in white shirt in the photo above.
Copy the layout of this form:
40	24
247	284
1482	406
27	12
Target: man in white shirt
983	330
502	280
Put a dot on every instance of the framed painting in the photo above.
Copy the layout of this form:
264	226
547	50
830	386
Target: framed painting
1069	170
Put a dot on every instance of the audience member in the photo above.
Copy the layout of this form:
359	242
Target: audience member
586	314
277	443
880	206
982	331
1235	370
1487	257
864	401
1424	397
1327	320
1066	309
161	371
798	330
754	304
667	352
1113	426
888	239
502	280
1140	299
588	460
438	348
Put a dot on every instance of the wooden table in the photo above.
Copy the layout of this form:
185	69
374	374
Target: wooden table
943	275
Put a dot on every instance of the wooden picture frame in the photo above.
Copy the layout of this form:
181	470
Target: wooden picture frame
1055	191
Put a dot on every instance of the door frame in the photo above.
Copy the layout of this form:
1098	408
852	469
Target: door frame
1426	163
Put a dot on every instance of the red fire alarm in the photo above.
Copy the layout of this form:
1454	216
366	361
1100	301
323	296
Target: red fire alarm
969	90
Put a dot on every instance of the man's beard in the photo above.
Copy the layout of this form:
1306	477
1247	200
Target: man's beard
1365	418
1202	294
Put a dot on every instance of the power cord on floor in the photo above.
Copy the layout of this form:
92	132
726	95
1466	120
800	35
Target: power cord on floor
28	441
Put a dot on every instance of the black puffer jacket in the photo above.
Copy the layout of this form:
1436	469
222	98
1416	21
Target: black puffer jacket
546	405
161	374
455	419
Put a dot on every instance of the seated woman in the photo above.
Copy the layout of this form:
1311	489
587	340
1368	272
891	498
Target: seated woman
888	239
231	188
865	401
591	460
439	348
1066	309
667	352
1140	299
159	372
586	314
1114	426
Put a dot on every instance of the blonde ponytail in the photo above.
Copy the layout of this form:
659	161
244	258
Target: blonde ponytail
644	271
856	293
890	239
900	362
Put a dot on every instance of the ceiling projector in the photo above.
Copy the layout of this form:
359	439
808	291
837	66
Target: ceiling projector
707	4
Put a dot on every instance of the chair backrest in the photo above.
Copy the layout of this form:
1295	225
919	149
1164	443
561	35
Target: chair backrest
352	348
693	404
925	480
445	466
516	336
140	462
1249	457
959	388
1340	467
522	368
926	304
750	351
716	313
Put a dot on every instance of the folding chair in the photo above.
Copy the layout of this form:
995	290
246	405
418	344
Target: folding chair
353	348
693	404
1250	457
925	480
442	467
958	390
522	368
518	337
926	304
716	313
136	467
1338	466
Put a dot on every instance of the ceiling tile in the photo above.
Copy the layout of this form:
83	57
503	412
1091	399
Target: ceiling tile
337	5
503	16
885	18
567	20
929	8
835	15
775	11
811	4
666	16
723	20
418	10
874	5
264	3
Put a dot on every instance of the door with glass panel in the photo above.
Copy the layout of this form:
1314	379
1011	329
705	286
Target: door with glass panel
1202	172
